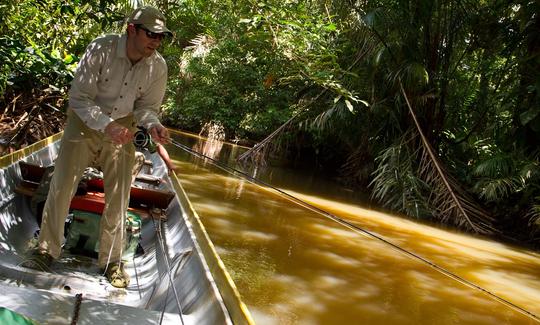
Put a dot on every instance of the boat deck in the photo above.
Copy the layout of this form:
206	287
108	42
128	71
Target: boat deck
72	274
61	308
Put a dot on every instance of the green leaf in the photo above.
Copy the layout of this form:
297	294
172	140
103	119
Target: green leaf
69	59
363	102
330	27
349	105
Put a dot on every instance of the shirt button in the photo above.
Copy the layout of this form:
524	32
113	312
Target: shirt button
121	96
106	80
116	108
125	83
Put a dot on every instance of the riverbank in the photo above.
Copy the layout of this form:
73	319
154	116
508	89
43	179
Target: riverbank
27	120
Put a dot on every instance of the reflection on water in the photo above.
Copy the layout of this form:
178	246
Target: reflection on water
295	266
210	148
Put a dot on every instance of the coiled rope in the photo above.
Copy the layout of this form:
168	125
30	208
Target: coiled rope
355	228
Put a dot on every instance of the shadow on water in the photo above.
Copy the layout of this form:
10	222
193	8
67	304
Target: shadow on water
295	266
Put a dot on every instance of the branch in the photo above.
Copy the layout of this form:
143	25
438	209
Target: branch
258	152
22	131
467	213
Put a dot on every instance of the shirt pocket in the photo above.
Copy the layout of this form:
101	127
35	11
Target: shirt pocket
108	85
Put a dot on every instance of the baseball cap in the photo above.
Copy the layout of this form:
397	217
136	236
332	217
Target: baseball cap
150	18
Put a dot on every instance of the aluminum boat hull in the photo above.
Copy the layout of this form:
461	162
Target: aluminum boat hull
178	280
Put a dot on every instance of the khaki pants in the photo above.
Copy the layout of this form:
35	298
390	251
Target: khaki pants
82	147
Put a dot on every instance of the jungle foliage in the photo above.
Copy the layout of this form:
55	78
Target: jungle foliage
433	106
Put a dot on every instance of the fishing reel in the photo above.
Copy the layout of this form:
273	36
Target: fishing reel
143	140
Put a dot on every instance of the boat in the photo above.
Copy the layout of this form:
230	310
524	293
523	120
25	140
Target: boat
176	275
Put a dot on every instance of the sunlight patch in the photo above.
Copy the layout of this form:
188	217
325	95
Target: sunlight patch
258	235
522	289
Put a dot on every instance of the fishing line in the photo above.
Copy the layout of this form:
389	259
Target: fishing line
158	230
137	276
121	221
355	228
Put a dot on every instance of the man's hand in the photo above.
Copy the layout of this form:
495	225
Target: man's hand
160	134
118	134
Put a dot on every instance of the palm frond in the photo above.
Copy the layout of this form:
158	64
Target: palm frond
396	184
341	109
449	200
533	217
530	170
201	45
499	188
503	174
498	165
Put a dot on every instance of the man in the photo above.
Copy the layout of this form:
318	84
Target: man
119	83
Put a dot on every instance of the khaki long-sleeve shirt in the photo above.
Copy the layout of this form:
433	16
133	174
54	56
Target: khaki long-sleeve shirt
107	86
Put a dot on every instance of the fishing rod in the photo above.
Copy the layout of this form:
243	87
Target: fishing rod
355	228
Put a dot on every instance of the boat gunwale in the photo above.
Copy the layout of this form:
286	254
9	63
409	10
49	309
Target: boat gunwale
237	309
22	153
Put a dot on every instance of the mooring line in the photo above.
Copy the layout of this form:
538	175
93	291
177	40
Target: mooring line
76	309
356	229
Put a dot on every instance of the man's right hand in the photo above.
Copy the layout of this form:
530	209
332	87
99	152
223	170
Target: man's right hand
118	134
160	134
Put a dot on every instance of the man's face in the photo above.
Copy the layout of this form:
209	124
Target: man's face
146	42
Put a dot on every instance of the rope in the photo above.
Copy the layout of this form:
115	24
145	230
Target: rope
121	222
137	277
164	305
356	229
157	228
76	310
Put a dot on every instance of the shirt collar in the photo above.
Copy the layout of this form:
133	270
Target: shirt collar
121	48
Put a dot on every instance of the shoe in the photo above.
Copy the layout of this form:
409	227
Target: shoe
116	275
38	261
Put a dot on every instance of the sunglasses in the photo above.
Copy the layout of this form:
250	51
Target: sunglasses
152	35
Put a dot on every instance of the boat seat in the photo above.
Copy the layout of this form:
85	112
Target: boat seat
26	188
142	200
34	173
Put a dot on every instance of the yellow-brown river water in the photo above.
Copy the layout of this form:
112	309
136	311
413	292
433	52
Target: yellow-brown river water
294	265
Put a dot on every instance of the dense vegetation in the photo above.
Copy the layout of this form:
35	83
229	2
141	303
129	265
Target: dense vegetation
433	106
